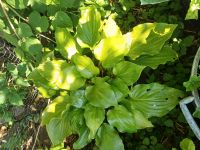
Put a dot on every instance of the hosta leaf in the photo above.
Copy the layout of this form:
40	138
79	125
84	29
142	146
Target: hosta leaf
110	28
55	109
165	55
187	144
111	50
94	117
101	95
70	122
193	83
65	43
24	30
108	139
128	71
61	74
148	38
62	20
58	129
39	23
83	139
140	120
88	29
193	10
120	88
77	98
85	66
144	2
154	99
122	119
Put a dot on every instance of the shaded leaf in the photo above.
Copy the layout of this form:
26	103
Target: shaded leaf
43	24
62	20
108	139
122	119
55	109
165	55
128	71
101	95
94	117
154	99
24	30
193	83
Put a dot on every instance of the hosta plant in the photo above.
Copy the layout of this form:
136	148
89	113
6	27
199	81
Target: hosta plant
94	85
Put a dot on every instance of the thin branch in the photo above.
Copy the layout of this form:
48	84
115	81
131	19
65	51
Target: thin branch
9	21
36	136
46	37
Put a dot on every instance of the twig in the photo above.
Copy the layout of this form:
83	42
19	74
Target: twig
46	37
9	21
14	11
36	137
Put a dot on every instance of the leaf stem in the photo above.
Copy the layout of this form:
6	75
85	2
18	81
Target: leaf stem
9	21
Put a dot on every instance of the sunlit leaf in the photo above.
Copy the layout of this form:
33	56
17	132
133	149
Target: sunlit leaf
193	10
128	71
59	74
154	99
85	66
101	95
108	139
187	144
110	28
65	43
165	55
111	50
88	28
122	119
148	38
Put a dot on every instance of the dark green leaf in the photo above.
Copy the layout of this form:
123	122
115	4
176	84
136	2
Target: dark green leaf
62	20
154	99
39	23
101	95
24	30
165	55
122	119
108	139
